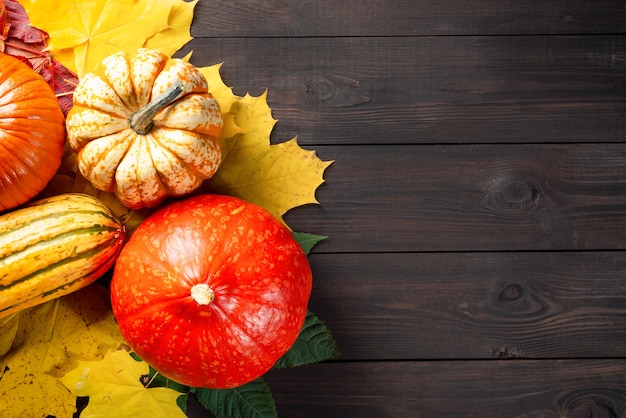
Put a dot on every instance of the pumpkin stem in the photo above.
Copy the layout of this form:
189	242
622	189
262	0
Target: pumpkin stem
202	293
142	120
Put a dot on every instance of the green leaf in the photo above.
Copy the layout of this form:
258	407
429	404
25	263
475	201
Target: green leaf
314	344
181	401
252	400
307	241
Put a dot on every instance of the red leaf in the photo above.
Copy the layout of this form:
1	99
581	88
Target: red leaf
28	44
5	26
62	80
20	27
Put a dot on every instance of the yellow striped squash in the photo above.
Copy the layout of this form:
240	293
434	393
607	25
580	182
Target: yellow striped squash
53	247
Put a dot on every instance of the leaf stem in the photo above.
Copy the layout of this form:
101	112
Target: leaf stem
23	48
147	385
142	120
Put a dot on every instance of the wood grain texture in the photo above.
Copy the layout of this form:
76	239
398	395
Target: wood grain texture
284	18
470	198
458	389
505	89
476	209
510	305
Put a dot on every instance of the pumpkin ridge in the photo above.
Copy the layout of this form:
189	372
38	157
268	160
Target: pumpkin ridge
251	339
77	109
156	306
191	171
102	95
33	139
20	97
27	143
80	108
146	140
159	62
159	126
127	104
174	154
28	136
20	79
18	160
258	350
124	142
42	153
9	121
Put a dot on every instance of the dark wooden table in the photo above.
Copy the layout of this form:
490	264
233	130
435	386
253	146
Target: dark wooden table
476	208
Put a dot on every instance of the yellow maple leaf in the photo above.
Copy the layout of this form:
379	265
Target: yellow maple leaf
83	32
50	340
222	93
277	177
177	33
115	390
8	331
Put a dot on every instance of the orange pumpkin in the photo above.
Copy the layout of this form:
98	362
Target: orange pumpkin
211	291
145	127
32	132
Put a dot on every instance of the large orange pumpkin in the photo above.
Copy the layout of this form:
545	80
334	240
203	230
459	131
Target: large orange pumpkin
145	127
32	132
211	291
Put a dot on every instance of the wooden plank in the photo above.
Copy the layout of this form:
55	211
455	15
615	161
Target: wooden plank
457	389
245	18
432	90
469	198
530	305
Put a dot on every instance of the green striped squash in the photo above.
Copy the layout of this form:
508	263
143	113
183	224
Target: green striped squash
53	247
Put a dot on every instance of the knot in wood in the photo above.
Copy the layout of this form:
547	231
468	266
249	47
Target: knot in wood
333	89
320	87
513	195
517	193
592	411
520	300
593	403
512	294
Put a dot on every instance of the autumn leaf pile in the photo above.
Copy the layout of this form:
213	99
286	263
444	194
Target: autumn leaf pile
71	347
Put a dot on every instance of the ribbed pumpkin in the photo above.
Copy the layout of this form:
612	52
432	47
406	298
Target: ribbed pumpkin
145	127
32	132
55	246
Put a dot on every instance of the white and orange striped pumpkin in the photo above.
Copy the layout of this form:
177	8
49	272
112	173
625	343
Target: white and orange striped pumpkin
145	127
